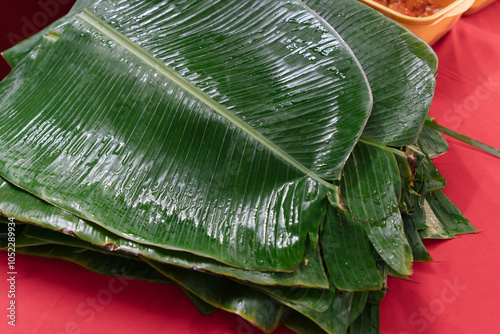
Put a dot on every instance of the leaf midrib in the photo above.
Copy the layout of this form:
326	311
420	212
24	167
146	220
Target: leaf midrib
139	52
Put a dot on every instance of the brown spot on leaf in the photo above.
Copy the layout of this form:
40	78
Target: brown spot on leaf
110	247
68	232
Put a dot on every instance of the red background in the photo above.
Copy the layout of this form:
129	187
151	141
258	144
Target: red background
50	292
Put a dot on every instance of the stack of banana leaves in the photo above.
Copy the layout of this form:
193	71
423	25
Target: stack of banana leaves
270	157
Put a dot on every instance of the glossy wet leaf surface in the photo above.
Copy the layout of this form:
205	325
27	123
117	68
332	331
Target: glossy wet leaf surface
369	184
26	207
348	254
400	68
432	142
210	137
252	166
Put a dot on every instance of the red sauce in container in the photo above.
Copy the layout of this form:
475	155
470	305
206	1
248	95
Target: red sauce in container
414	8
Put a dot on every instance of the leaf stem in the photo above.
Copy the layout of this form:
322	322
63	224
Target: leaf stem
474	143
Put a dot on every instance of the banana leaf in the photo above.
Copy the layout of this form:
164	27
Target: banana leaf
432	142
347	252
434	228
300	324
315	299
303	325
402	93
25	207
369	186
449	216
205	290
90	157
4	220
22	239
415	210
221	137
376	297
9	235
318	300
335	319
359	300
418	249
428	178
18	52
367	322
400	68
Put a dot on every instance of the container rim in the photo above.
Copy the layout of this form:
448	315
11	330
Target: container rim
457	7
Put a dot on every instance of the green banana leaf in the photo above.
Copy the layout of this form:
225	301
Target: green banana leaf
359	300
24	240
376	297
9	235
418	249
369	186
88	160
401	68
449	217
108	263
18	52
318	300
347	252
428	178
367	322
25	207
407	164
434	228
315	299
197	137
4	220
300	324
402	93
335	319
432	142
415	210
303	325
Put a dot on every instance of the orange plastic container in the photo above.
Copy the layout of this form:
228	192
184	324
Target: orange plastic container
432	27
478	5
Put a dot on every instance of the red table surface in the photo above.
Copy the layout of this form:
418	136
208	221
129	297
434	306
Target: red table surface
456	294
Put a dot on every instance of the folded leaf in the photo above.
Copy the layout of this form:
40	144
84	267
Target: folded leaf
347	252
418	249
368	188
453	221
367	322
435	229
